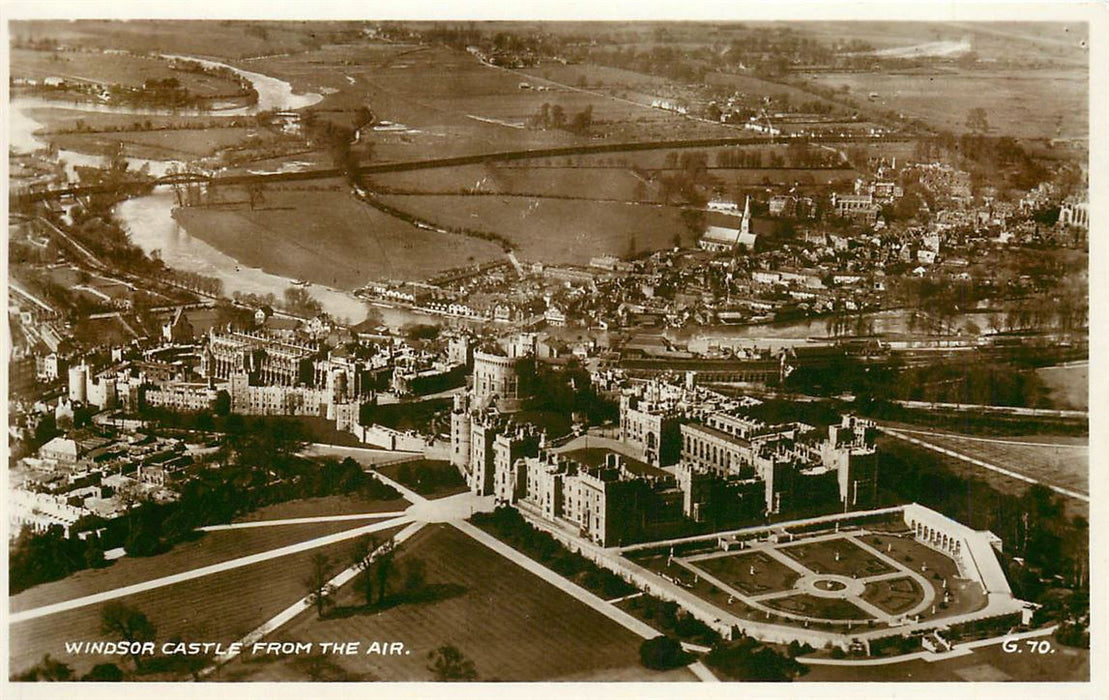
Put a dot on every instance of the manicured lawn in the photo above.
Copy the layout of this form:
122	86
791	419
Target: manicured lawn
219	608
770	575
966	596
820	557
893	595
513	626
812	606
433	478
211	548
322	506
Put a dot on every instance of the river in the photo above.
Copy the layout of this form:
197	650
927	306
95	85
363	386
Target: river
149	219
150	223
273	94
152	227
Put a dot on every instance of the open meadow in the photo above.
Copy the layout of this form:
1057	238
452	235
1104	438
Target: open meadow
554	231
111	69
1019	103
328	237
596	178
164	144
431	101
597	183
194	37
513	626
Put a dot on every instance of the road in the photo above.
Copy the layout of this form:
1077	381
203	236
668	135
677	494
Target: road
301	521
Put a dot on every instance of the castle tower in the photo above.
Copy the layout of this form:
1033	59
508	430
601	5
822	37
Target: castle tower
240	392
78	379
460	433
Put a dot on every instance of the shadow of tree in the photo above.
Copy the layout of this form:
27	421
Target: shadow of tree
430	593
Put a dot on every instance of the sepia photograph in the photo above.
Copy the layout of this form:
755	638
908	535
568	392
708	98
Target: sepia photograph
463	346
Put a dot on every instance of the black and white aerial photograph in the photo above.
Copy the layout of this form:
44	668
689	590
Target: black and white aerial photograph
373	348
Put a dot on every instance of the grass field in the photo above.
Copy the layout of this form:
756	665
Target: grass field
597	179
433	478
414	86
220	608
584	183
513	626
230	40
770	574
328	237
1000	482
1021	103
442	96
95	67
163	144
820	557
211	548
596	77
66	119
757	87
1063	464
324	505
1069	387
554	231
